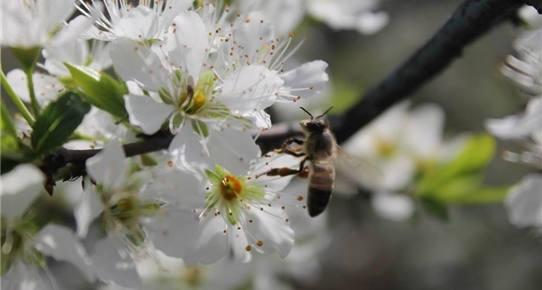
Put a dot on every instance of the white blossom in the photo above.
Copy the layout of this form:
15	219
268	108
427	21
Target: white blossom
356	15
129	213
349	14
238	212
403	144
24	246
524	202
147	22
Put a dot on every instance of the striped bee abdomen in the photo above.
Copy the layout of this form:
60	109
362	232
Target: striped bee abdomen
321	179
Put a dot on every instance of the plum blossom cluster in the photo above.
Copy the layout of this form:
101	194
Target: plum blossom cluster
524	202
196	71
405	144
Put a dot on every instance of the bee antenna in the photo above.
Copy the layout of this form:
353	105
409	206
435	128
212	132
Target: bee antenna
307	112
324	112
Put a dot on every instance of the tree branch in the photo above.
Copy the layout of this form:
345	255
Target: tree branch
471	20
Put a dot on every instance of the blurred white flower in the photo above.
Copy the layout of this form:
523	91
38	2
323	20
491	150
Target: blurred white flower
349	14
72	50
147	22
357	15
93	55
403	144
36	23
525	67
130	215
524	202
24	246
521	126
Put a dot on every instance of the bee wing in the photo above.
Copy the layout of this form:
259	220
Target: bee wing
353	171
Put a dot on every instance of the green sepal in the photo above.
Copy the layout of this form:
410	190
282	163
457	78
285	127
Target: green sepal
148	160
213	177
200	128
58	121
27	56
100	89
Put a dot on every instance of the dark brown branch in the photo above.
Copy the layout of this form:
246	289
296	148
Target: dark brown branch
471	20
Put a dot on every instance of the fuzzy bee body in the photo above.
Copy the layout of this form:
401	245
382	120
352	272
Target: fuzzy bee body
319	147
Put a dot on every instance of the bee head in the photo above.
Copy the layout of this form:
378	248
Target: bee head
314	125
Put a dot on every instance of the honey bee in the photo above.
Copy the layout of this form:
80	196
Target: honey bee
320	150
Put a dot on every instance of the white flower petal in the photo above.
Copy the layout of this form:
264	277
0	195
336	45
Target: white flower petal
249	89
146	113
108	166
111	267
371	22
57	11
393	206
46	87
21	276
75	27
59	242
176	186
423	132
74	52
518	126
88	209
266	163
306	80
138	63
174	232
188	150
19	188
524	203
188	43
212	244
140	24
271	228
238	245
398	172
233	149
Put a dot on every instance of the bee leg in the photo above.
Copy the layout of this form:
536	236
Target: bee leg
304	173
293	153
287	143
284	171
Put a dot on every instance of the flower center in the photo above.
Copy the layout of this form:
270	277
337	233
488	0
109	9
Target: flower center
231	187
385	149
198	100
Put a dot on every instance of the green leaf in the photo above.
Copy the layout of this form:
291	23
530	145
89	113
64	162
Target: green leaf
100	89
435	208
476	154
57	122
468	190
